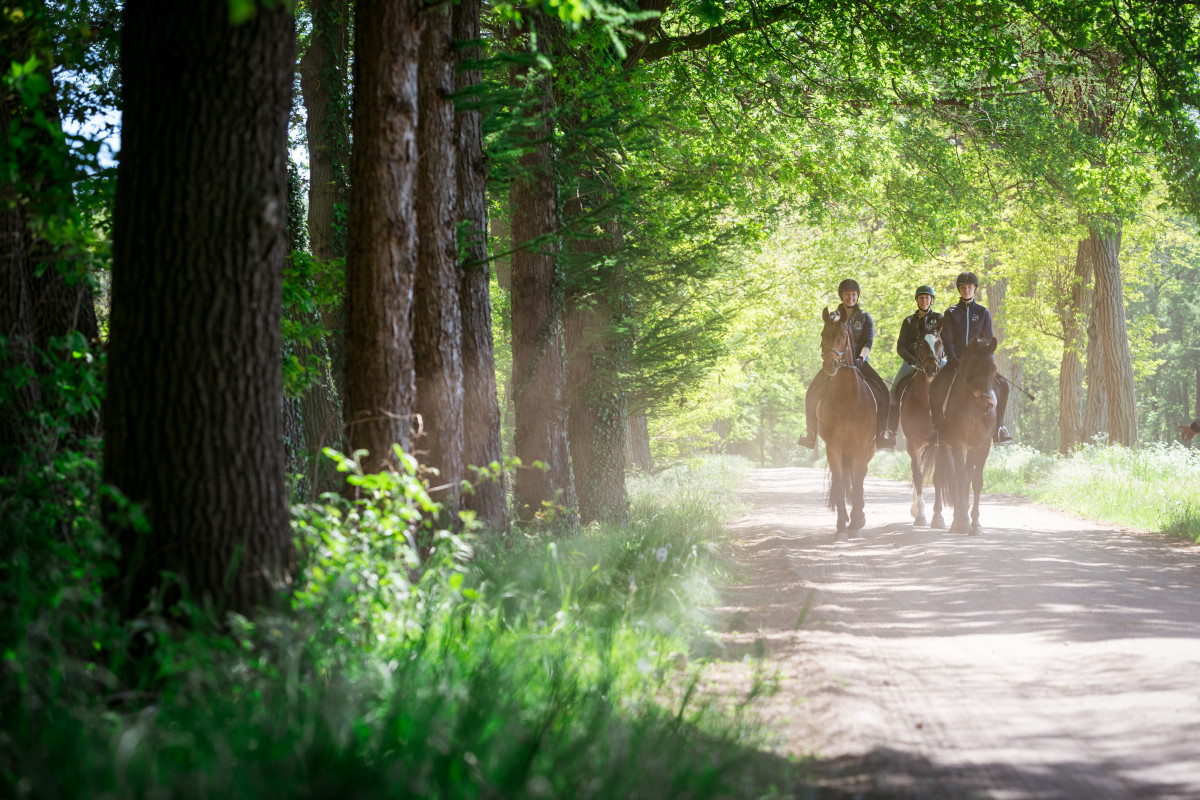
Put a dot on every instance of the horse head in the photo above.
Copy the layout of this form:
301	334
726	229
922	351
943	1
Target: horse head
835	343
978	368
931	353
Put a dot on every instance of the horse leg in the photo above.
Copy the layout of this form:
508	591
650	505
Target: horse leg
837	485
857	469
940	470
960	480
977	486
918	482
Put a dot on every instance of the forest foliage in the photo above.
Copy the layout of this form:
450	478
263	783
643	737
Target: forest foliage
638	211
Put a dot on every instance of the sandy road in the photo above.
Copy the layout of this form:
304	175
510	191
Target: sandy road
1050	658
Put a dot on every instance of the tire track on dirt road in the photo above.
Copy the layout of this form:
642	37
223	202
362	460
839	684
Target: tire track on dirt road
1052	657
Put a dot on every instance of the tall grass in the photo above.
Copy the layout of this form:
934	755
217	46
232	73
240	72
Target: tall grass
545	667
1155	487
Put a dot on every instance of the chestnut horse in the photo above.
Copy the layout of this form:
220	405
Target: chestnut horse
918	426
967	395
846	420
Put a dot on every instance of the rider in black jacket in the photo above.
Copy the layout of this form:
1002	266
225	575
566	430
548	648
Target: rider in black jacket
911	331
962	322
862	331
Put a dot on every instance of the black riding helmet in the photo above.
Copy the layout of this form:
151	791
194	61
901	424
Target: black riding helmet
925	289
848	285
967	277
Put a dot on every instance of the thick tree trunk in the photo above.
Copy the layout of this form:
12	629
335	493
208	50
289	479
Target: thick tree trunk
382	250
323	72
596	401
637	442
1095	415
1113	337
1070	375
538	369
437	318
20	392
481	407
192	422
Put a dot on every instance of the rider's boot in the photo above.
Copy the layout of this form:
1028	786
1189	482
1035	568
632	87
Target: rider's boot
808	440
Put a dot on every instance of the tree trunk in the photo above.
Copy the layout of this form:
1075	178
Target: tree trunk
1113	337
381	258
1070	375
637	442
596	354
1197	414
1095	416
481	407
437	318
192	423
537	343
323	71
20	393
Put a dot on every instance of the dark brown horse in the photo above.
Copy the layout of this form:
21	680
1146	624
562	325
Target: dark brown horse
968	398
847	423
918	427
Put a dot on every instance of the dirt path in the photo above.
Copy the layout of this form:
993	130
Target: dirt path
1050	658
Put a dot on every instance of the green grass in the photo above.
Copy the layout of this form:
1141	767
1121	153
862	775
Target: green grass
547	667
1155	487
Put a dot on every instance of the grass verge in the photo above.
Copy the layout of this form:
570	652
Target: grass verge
1155	487
547	667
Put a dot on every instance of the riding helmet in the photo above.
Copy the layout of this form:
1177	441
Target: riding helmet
967	277
926	289
848	285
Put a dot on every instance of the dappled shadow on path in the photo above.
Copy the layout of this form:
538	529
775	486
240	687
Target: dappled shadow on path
1052	657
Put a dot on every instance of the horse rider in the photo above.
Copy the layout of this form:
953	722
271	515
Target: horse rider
912	330
862	336
962	322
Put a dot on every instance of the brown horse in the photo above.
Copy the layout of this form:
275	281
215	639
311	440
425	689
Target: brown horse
846	419
918	427
967	395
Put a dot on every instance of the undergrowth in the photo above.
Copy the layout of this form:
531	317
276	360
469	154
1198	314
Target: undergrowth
1155	487
538	667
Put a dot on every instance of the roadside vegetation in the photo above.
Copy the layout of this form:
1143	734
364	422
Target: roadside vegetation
542	666
1155	487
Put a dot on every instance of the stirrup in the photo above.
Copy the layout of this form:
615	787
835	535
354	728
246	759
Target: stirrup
1002	436
885	441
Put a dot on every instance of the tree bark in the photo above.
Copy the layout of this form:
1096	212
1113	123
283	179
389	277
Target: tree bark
381	258
1070	375
323	71
437	317
481	407
193	422
20	392
1113	337
1095	416
537	292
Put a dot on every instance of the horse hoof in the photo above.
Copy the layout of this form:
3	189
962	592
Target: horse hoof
958	527
976	529
938	523
920	522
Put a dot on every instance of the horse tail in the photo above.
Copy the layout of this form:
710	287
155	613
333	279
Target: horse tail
929	463
941	477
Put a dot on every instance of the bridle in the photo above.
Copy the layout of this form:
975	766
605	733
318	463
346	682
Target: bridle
844	358
931	358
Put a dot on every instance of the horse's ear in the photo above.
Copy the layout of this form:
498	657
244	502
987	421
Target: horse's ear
936	326
991	345
825	313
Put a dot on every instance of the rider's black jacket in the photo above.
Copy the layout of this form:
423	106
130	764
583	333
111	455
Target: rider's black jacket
862	328
963	322
911	331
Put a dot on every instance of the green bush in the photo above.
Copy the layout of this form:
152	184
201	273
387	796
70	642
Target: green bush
413	662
